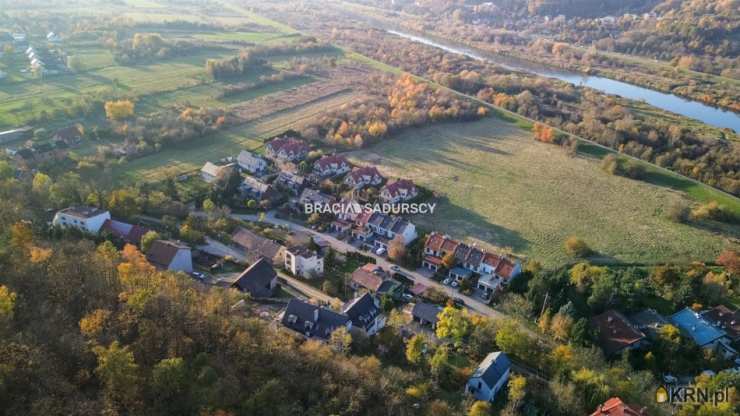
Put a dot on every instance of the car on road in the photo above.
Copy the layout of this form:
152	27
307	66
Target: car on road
408	297
199	275
447	281
380	251
454	284
459	302
395	268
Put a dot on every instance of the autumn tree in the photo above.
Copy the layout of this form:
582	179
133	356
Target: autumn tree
147	240
575	247
544	133
480	408
397	248
119	373
415	348
730	260
453	323
119	109
341	340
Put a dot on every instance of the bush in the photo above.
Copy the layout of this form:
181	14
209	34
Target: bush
678	212
575	247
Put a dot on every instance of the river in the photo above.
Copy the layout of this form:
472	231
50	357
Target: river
669	102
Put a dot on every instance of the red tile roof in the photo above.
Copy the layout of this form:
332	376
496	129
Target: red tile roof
394	189
288	144
358	173
615	332
365	277
327	161
616	407
434	241
433	260
505	269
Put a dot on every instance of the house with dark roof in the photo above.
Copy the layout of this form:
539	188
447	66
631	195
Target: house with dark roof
490	377
616	407
84	218
376	230
364	176
259	279
704	334
255	246
616	333
398	191
725	319
392	288
287	149
170	255
649	321
313	321
331	165
70	135
365	314
426	314
129	233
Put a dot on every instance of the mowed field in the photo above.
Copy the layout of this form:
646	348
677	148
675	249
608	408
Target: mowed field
500	188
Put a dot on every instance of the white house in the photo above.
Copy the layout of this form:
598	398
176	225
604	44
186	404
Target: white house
83	218
399	191
332	165
365	314
491	375
301	261
170	255
251	163
387	227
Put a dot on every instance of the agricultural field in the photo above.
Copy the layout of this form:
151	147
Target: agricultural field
498	187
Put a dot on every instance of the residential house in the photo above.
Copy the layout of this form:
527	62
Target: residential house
725	319
257	246
313	321
392	288
291	182
704	334
259	279
490	377
364	176
129	233
398	191
254	188
302	261
84	218
286	149
426	314
616	407
376	229
365	314
332	165
313	197
249	162
616	333
504	272
368	277
170	255
210	172
649	321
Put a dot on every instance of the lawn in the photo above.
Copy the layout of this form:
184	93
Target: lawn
500	188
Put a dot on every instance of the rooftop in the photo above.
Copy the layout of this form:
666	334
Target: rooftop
492	368
694	325
82	211
615	332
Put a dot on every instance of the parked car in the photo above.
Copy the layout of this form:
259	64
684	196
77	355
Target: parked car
395	268
199	275
380	251
459	302
447	281
454	284
408	297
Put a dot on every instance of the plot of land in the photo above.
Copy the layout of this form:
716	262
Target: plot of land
501	188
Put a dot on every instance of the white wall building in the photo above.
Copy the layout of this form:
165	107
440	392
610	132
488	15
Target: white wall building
301	261
83	218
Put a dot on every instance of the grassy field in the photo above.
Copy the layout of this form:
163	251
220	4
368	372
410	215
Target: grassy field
501	188
191	156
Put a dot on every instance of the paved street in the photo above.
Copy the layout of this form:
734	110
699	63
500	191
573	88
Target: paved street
344	247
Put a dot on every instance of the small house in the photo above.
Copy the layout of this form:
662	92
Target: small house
365	314
302	261
249	162
490	377
170	255
616	333
398	191
259	280
313	321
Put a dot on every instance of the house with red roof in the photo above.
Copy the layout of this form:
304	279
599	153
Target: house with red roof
364	176
399	191
287	149
616	333
332	165
129	233
616	407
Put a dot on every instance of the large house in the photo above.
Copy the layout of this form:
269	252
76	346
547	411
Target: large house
313	321
286	149
257	246
83	218
332	165
364	176
129	233
616	407
490	376
365	314
259	279
398	191
616	333
302	261
249	162
376	230
170	255
495	271
704	334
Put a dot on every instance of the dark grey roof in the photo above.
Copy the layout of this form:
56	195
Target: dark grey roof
311	320
648	321
426	311
257	279
362	310
255	245
387	286
83	211
492	368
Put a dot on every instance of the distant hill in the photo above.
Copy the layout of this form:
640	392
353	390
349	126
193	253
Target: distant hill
589	8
